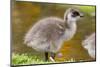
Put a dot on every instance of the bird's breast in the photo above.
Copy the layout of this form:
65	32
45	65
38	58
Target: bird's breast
68	34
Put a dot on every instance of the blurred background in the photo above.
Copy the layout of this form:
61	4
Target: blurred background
26	14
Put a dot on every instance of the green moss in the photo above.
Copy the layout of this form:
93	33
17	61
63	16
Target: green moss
26	59
20	59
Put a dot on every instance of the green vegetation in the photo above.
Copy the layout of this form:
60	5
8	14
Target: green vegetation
87	9
27	59
18	59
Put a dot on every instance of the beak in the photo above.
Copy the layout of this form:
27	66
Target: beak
81	15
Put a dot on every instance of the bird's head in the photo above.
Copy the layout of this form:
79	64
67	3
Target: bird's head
72	14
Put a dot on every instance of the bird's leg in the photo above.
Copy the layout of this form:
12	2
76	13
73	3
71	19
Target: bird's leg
46	56
52	57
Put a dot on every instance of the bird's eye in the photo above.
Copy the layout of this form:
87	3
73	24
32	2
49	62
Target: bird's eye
75	13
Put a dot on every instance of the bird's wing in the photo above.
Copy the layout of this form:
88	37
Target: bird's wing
49	29
53	29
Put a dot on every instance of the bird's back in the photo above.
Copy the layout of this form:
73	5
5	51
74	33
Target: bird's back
49	29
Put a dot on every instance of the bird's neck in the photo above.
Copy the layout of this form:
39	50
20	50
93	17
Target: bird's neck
71	26
70	30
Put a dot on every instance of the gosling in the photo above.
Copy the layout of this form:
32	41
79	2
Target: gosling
48	34
89	44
